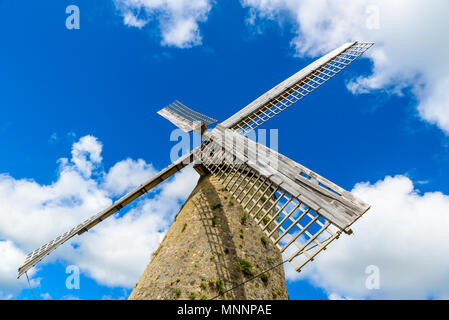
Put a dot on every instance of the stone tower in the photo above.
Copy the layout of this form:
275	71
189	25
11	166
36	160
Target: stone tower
211	247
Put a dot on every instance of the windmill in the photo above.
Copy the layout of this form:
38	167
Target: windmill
299	212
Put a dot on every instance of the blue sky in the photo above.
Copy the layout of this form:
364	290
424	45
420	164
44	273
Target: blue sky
108	79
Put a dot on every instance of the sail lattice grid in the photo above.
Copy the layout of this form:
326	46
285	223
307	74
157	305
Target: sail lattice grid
296	229
307	82
184	117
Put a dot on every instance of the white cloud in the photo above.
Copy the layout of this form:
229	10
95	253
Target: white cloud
113	253
131	20
404	234
32	213
11	257
127	174
120	248
86	154
178	20
335	296
411	49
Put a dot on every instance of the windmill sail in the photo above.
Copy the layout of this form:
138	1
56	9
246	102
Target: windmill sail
37	255
185	118
299	215
295	88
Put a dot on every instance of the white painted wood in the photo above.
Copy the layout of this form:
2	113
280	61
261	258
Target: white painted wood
277	90
185	118
340	207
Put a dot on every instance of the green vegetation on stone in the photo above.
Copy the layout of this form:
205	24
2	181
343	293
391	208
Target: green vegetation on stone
264	240
276	293
219	283
244	218
192	296
265	277
184	227
245	266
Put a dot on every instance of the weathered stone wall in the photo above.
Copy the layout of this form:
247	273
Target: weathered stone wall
209	249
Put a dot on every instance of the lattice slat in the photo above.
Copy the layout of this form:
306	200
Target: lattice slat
289	223
37	255
184	117
334	202
307	81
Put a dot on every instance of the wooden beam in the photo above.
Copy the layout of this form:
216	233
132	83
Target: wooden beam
324	197
281	87
38	254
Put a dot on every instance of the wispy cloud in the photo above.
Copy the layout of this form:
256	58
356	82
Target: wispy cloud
45	296
70	297
53	138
